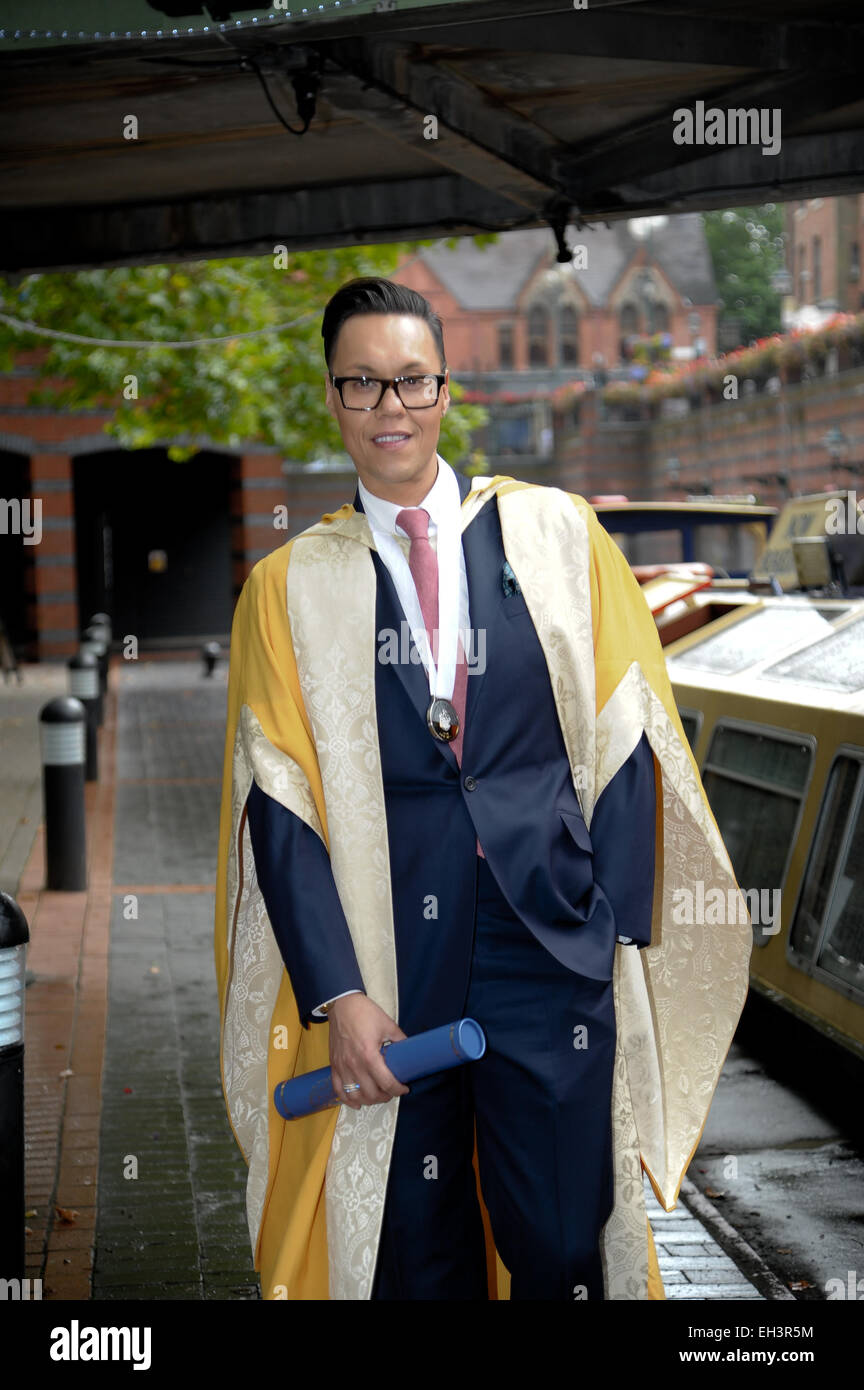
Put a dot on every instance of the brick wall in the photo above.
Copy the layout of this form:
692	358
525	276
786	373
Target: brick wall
837	223
723	447
53	610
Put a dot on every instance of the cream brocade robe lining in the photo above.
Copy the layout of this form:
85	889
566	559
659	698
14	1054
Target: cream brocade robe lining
677	1002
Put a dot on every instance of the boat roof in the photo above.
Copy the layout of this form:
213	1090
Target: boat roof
644	515
791	649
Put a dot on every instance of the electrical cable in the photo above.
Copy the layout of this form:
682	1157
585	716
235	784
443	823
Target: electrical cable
29	327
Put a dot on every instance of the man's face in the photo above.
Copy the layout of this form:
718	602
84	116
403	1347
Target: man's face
393	448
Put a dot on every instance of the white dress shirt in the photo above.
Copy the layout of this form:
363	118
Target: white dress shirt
382	521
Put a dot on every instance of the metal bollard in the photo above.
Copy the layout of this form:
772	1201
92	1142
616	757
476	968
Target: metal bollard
62	726
14	936
100	637
84	685
94	640
102	623
210	653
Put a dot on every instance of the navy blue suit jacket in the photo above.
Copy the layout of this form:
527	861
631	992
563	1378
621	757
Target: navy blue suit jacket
575	891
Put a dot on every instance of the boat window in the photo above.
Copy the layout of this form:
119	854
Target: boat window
651	547
828	930
732	544
835	663
733	548
758	635
755	781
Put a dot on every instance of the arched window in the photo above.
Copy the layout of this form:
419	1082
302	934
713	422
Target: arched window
817	270
803	274
568	339
629	318
505	346
659	318
538	336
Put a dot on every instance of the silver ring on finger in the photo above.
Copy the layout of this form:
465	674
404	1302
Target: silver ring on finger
352	1086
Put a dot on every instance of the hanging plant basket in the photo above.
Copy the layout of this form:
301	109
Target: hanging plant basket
795	357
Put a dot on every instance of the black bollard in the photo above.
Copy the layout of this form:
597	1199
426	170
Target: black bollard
102	623
210	653
101	620
101	638
62	723
14	936
95	640
84	685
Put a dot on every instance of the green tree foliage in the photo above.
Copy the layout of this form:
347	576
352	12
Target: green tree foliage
267	389
747	247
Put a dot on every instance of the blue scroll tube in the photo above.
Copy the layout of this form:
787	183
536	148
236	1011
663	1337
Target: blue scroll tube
425	1053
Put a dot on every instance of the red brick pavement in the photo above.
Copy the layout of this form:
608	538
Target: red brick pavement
64	1042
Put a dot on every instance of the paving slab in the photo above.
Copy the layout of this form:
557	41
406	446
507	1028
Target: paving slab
692	1264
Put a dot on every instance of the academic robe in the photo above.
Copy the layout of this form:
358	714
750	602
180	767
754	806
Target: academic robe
301	724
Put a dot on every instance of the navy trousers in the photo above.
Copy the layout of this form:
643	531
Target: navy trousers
541	1101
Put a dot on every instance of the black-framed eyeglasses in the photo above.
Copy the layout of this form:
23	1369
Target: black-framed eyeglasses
367	392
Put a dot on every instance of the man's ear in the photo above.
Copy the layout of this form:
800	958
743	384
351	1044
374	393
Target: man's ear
329	394
445	392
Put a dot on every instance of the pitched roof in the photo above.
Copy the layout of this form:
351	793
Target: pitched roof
494	277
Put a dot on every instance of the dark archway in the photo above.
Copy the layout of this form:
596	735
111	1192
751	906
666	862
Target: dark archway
153	543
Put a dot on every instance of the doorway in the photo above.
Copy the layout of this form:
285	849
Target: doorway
153	542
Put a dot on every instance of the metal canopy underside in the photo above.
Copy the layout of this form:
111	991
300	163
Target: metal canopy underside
545	113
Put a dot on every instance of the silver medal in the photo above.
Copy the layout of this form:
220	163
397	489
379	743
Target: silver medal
442	719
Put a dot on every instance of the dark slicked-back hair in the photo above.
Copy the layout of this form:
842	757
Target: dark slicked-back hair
371	295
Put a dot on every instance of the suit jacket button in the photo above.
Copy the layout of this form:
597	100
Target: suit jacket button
470	783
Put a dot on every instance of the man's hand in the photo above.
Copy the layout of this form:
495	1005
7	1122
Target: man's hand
357	1029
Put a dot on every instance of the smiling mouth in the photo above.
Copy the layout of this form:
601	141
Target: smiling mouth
394	438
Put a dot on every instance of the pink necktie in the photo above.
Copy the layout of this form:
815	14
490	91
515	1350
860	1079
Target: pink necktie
423	563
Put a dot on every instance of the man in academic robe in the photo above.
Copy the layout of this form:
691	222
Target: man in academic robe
380	875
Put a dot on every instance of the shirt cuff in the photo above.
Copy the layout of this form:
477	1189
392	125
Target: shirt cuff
317	1013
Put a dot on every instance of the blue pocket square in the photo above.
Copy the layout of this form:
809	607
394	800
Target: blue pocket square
509	582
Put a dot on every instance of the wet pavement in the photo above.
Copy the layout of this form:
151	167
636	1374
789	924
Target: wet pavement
781	1154
177	1229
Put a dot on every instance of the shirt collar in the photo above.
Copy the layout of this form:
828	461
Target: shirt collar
382	514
